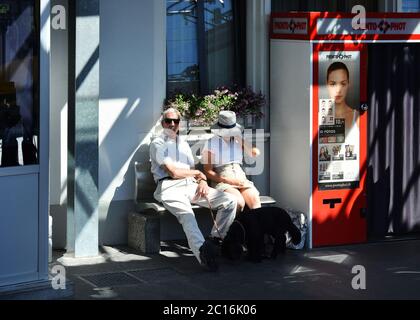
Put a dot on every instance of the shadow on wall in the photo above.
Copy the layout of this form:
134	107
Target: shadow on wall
126	139
114	212
131	94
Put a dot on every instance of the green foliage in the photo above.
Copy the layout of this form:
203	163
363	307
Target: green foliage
203	109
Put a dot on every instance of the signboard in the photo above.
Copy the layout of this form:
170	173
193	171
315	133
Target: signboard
338	26
290	26
380	26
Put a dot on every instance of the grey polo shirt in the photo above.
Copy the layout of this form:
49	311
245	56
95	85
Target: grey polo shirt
164	150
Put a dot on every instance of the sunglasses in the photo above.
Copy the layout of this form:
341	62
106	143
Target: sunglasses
168	120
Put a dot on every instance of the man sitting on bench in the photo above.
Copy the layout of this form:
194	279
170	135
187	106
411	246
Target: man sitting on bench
179	185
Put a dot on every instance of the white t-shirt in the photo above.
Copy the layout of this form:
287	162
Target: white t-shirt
224	152
164	150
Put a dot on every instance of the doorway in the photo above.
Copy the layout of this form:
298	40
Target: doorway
23	175
393	178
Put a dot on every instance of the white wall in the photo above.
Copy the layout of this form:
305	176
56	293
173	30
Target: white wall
58	131
257	73
290	116
58	113
132	89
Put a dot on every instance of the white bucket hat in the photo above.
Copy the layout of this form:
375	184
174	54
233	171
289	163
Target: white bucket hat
226	124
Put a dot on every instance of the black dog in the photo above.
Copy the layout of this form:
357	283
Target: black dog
251	226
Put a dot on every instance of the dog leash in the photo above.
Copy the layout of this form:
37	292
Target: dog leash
217	228
212	216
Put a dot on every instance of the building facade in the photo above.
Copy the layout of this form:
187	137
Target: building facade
91	77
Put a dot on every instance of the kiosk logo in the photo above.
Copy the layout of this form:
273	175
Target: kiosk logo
293	25
359	280
384	26
290	26
58	282
339	56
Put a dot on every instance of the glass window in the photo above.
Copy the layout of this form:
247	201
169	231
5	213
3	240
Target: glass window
205	41
182	46
410	5
18	83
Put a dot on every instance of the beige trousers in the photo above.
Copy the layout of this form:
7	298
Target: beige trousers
177	196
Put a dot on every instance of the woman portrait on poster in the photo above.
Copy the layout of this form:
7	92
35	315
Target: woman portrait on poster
338	82
323	154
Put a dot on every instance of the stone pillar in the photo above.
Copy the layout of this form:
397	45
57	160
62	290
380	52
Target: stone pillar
83	104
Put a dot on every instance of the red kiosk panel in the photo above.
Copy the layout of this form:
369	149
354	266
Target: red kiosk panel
339	144
339	124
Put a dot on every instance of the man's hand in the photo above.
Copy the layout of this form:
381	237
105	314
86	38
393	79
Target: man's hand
202	190
200	176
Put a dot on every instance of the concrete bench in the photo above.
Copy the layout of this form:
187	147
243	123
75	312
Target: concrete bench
144	223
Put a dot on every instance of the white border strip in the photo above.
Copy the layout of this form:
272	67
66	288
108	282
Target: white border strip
44	140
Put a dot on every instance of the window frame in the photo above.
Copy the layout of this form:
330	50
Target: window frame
202	50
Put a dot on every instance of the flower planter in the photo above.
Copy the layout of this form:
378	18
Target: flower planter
202	110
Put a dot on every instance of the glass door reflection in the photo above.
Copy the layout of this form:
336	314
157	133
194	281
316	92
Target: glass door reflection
19	106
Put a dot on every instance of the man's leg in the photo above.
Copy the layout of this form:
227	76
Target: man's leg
172	194
180	207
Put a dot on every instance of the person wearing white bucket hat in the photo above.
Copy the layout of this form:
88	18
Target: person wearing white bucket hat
226	125
222	161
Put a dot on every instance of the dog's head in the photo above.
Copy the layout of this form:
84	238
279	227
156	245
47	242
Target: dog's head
232	243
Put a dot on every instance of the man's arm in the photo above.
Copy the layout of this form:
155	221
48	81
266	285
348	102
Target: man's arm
157	154
179	173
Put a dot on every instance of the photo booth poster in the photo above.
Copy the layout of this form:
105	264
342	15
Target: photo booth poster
338	120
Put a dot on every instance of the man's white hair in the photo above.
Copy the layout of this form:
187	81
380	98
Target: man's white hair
171	110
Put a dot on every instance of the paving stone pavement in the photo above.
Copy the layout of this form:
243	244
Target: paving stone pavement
392	271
